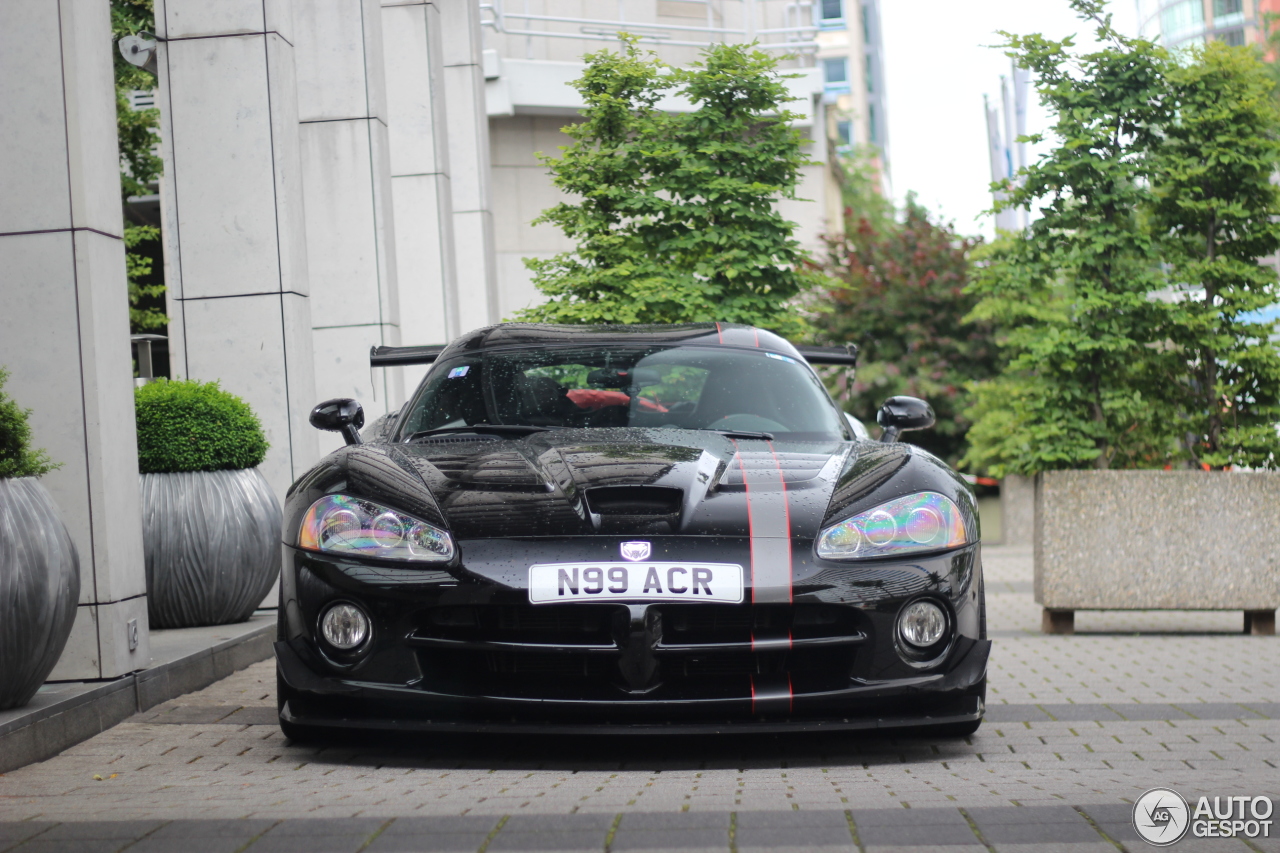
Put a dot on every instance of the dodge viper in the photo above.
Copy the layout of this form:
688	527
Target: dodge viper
634	529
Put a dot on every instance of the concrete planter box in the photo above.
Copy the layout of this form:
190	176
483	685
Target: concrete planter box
211	541
39	588
1157	540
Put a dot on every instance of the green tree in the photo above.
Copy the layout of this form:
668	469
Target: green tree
904	303
1084	384
1217	211
17	457
673	214
139	166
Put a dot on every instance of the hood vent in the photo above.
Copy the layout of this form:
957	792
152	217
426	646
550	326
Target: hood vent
635	509
457	438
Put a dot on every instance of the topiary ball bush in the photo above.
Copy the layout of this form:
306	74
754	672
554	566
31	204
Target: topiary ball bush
193	426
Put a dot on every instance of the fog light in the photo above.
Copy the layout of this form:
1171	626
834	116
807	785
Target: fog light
922	624
345	626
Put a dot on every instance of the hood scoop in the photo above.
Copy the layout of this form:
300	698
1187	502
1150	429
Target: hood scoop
635	509
457	439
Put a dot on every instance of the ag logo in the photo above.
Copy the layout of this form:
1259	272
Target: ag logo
635	551
1161	816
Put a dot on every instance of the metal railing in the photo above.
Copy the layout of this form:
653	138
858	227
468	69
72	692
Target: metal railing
797	34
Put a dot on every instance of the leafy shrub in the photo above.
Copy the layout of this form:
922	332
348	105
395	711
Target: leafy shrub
193	426
17	459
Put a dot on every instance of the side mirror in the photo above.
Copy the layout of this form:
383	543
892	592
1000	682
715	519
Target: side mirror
341	415
900	414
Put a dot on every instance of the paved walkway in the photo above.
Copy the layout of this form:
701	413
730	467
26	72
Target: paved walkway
1077	728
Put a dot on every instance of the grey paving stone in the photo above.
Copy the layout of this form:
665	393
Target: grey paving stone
677	820
801	838
1270	710
1041	847
197	844
1150	711
1015	714
1079	832
271	843
11	832
445	842
189	714
317	827
985	816
246	827
627	841
924	848
565	841
937	834
1075	713
101	829
74	845
443	824
792	820
521	823
1220	711
907	817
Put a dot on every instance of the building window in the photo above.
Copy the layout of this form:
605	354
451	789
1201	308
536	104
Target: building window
1228	12
844	133
873	129
871	75
1182	20
832	12
835	73
1235	37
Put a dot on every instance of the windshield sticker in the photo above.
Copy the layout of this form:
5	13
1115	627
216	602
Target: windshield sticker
459	372
785	358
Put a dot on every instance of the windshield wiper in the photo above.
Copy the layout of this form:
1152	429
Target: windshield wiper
500	429
737	433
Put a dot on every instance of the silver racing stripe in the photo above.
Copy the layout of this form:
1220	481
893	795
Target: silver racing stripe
769	523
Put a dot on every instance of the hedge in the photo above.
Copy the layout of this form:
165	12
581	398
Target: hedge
17	458
192	426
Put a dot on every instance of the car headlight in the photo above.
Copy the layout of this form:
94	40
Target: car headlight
346	525
925	521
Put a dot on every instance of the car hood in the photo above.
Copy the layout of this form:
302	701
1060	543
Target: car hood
628	482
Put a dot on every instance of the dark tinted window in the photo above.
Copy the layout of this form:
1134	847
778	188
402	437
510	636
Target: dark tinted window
613	387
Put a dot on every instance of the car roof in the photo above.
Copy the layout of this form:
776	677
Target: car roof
518	335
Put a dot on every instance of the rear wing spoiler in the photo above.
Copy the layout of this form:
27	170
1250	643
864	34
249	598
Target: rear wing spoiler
846	355
399	356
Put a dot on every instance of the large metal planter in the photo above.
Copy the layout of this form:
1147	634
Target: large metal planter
39	588
1157	540
212	545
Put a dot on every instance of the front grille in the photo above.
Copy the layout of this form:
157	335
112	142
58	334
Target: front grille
591	651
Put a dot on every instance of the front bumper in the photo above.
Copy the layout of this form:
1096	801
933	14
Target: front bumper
826	661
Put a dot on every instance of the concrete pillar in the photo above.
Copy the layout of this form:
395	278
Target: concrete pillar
346	175
420	186
235	244
469	161
64	327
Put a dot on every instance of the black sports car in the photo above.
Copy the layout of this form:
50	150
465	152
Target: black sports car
628	528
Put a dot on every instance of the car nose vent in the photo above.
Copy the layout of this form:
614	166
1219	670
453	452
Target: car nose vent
634	500
453	440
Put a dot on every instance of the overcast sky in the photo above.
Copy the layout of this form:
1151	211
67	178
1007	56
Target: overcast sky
937	68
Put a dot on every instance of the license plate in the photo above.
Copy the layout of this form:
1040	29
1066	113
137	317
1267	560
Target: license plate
692	582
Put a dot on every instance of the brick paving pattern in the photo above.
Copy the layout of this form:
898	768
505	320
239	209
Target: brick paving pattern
1077	728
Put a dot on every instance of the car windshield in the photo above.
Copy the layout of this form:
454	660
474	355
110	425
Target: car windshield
706	388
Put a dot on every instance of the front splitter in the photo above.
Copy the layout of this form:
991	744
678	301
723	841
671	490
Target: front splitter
969	709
